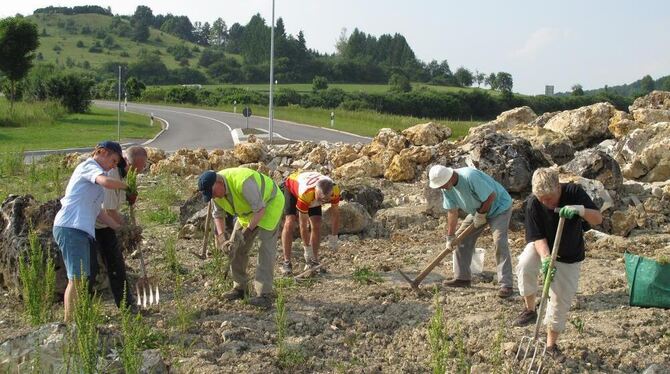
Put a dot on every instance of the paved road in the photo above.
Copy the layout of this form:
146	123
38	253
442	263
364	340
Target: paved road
194	128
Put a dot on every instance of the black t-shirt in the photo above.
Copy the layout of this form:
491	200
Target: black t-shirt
542	223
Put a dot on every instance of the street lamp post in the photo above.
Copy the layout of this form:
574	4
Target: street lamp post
118	114
272	52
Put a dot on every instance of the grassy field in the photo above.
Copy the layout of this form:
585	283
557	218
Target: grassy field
61	42
35	128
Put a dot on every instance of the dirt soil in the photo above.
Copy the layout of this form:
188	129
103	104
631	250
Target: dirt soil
339	325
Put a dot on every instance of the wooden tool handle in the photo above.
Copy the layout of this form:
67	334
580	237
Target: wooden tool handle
203	252
444	253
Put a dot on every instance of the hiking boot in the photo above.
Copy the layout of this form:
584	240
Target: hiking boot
555	353
505	292
526	317
262	301
234	294
286	268
457	283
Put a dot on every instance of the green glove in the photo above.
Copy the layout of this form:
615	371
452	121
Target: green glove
570	211
545	267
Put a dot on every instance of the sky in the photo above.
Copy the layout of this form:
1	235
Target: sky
593	43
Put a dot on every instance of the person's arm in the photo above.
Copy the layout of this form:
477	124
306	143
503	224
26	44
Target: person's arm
593	216
452	221
115	215
542	248
335	223
111	183
253	223
108	220
486	204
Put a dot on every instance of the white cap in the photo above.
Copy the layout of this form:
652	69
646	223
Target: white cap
439	176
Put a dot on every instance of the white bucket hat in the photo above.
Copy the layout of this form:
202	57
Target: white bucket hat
439	176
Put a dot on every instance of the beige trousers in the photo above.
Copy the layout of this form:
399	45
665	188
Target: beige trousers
239	259
563	288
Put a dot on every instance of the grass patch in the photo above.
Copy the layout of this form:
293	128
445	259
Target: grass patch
366	276
161	197
45	179
25	113
69	130
38	278
185	315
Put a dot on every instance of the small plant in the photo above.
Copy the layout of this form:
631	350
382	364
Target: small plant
289	357
366	276
131	181
462	362
185	316
84	340
171	256
438	339
133	332
663	260
11	163
497	356
578	323
38	278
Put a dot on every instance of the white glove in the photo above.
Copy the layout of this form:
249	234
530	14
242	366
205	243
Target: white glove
480	220
309	253
450	238
332	242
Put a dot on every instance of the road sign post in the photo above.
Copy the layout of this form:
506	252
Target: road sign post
246	112
332	119
235	107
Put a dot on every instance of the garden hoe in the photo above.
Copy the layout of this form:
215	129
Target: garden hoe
534	344
203	252
147	294
454	244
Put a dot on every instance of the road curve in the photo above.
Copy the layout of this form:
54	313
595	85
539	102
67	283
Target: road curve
210	129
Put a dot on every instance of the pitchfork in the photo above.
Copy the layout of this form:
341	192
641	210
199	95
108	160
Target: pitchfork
535	343
146	293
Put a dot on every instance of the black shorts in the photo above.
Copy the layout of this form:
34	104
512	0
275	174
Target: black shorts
291	201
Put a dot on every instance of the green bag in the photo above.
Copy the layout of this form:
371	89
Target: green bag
648	282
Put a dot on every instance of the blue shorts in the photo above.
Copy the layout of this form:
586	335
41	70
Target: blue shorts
75	245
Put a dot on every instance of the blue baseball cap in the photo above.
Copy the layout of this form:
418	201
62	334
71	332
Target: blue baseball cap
116	148
205	183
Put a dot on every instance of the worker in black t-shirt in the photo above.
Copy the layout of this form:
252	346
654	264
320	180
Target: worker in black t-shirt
541	225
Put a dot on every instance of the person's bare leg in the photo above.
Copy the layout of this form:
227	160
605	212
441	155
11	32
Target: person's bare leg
552	336
529	301
70	299
315	238
287	236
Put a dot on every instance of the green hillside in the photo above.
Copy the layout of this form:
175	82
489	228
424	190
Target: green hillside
60	37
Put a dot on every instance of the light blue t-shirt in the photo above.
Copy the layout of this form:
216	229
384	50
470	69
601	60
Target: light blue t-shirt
472	189
83	198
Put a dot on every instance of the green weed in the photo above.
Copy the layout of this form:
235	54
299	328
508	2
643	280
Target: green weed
289	357
498	356
185	316
366	276
171	260
578	323
462	359
38	279
11	163
438	339
84	340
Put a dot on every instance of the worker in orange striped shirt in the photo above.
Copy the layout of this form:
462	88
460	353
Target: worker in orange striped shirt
304	193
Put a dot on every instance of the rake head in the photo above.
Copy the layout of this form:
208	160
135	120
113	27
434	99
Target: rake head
147	294
533	349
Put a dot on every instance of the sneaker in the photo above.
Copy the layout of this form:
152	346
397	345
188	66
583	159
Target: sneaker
286	268
555	353
526	317
505	292
457	283
234	294
262	301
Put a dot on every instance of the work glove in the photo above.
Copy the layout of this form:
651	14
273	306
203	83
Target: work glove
570	211
308	253
545	266
479	220
131	198
450	239
332	242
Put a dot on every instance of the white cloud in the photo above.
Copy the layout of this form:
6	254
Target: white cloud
537	41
